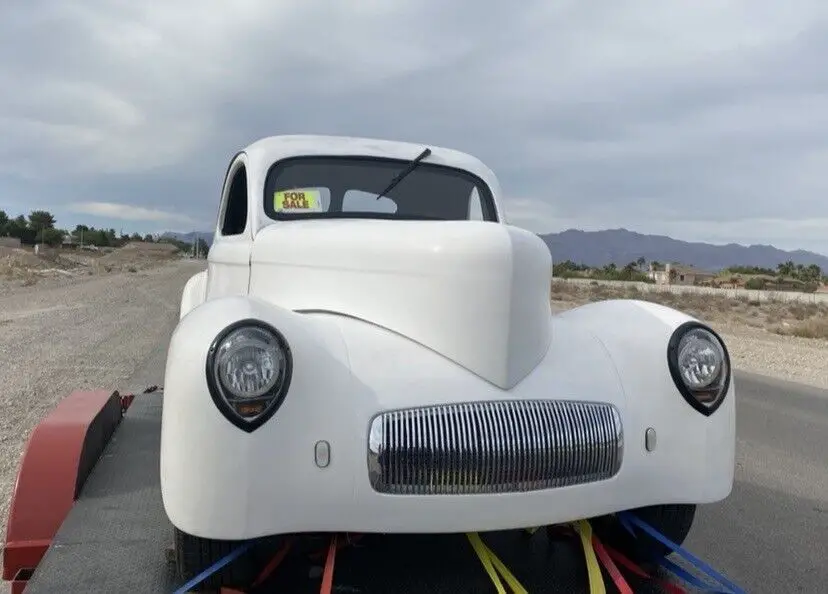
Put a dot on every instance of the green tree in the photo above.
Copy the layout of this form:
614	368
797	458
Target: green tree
786	268
50	236
629	270
41	219
812	273
18	227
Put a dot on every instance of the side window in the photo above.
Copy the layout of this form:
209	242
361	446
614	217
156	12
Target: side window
235	213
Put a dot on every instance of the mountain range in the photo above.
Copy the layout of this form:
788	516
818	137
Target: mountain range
207	236
621	246
597	248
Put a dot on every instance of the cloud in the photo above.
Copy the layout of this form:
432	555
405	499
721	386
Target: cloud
696	119
122	212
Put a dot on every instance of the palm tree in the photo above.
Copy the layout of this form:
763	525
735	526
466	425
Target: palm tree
786	268
813	272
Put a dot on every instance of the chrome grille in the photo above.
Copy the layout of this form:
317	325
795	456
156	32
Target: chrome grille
493	447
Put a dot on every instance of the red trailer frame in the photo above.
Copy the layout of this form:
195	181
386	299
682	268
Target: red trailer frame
60	454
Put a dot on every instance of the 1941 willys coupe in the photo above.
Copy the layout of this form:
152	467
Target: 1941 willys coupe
372	349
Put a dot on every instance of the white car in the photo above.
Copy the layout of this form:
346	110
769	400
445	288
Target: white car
372	349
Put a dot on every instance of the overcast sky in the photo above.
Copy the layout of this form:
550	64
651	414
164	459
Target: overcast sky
701	119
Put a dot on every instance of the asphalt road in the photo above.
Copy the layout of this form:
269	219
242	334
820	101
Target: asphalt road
771	534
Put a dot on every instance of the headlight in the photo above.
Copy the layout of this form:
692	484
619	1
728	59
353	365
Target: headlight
700	366
249	367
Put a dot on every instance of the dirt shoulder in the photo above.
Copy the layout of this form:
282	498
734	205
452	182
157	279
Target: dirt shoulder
48	267
63	334
784	340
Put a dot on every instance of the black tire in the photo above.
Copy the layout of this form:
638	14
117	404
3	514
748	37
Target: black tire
673	521
193	555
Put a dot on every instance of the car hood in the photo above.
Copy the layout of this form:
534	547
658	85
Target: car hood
475	292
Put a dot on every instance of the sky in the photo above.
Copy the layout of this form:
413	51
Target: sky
703	120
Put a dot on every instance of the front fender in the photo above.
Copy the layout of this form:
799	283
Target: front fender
635	334
194	293
196	438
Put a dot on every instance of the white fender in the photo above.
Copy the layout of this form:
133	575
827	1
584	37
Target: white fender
635	335
194	293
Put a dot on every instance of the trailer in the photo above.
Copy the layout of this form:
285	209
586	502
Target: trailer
86	516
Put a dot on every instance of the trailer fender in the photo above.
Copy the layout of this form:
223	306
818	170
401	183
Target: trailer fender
61	452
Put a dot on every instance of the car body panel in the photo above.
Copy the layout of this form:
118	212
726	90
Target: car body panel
194	293
229	484
384	315
452	286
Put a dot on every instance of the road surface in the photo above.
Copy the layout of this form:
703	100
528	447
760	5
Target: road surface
771	535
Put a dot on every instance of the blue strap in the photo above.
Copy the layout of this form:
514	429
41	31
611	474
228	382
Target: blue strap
688	577
231	556
628	518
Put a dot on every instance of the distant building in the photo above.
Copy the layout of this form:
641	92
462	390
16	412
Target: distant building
677	274
9	242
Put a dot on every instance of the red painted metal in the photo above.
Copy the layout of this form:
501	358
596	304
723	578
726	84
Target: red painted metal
47	482
126	400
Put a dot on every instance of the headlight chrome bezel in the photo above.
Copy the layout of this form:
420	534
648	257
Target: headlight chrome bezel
722	383
276	394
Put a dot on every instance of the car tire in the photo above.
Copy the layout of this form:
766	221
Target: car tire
673	521
193	555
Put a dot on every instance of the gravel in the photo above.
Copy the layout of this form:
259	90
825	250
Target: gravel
791	358
761	351
58	336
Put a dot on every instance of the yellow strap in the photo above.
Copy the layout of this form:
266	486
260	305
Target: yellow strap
596	579
491	562
513	582
482	554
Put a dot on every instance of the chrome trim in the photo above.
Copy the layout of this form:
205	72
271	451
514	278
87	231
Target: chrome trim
494	447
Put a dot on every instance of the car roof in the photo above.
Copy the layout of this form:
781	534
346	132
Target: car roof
266	151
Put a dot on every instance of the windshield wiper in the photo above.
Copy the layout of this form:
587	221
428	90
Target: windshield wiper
400	176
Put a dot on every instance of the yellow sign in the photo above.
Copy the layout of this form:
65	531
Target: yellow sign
297	201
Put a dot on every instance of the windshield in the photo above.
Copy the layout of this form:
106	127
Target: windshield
337	187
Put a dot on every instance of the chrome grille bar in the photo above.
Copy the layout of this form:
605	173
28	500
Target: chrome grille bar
494	447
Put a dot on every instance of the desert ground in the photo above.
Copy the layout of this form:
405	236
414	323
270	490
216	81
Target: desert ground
59	333
103	323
